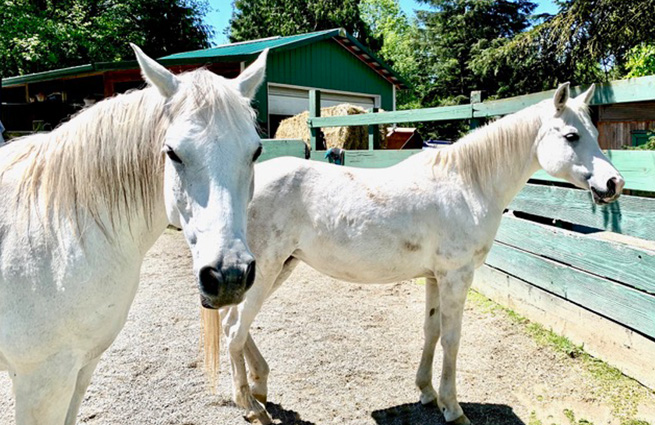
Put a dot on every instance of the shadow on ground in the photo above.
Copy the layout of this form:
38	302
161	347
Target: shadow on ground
414	414
282	416
417	414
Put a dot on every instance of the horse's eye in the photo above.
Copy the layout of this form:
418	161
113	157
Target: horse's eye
257	153
572	137
171	154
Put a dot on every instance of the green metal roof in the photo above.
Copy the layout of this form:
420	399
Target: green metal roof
68	72
249	48
228	52
245	50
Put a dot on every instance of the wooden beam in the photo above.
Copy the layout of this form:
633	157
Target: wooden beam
630	215
373	133
630	307
630	265
314	113
637	167
427	114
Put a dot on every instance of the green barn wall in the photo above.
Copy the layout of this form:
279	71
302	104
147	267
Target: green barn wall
324	65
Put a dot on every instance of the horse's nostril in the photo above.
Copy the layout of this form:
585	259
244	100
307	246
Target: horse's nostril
250	274
209	278
611	185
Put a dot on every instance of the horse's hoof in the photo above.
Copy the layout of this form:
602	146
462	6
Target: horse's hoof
260	418
462	420
262	398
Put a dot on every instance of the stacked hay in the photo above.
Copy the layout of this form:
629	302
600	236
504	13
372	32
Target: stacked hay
350	138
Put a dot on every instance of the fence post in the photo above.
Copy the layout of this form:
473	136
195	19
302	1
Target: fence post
476	97
314	112
374	134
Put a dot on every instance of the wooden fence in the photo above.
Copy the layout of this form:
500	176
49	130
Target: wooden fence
586	271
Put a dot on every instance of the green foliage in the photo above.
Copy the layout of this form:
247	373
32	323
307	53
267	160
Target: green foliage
451	34
397	33
641	60
253	19
587	41
49	34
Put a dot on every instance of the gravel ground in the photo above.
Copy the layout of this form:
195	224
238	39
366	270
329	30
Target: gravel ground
339	353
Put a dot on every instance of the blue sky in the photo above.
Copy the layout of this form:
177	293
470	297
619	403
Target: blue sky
221	11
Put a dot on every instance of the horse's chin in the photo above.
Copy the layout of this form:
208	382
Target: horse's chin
214	303
600	198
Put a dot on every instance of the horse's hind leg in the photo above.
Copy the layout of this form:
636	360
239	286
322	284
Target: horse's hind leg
431	330
453	287
83	381
43	394
256	363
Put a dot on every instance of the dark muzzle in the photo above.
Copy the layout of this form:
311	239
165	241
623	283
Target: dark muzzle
222	286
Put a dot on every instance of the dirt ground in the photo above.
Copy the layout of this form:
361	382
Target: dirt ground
339	353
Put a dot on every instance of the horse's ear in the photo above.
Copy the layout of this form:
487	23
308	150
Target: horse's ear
155	74
251	78
588	95
561	97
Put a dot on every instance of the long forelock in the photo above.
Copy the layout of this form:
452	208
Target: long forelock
216	101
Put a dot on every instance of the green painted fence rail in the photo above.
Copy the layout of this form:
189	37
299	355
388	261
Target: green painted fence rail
272	148
630	215
637	167
631	90
630	307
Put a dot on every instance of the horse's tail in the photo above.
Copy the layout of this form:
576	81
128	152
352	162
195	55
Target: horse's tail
211	323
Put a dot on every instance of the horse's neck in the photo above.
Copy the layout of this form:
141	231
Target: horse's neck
500	157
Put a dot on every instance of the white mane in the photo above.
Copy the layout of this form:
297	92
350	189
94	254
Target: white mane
478	154
108	157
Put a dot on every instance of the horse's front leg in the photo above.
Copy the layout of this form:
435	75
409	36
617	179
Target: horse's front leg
44	392
453	287
431	330
236	326
259	371
83	381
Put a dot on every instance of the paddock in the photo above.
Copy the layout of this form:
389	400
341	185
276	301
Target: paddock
339	353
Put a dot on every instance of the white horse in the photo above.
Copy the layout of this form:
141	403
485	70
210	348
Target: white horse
433	215
82	205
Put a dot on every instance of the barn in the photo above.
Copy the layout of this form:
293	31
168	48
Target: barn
332	60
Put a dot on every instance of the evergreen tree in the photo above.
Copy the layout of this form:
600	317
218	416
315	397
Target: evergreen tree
253	19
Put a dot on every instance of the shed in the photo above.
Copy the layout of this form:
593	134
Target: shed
332	60
625	124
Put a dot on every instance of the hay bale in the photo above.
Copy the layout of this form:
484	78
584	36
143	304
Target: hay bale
350	138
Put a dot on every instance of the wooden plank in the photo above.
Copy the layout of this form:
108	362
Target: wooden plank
373	134
630	215
378	158
624	349
637	168
628	265
415	115
314	111
634	309
272	148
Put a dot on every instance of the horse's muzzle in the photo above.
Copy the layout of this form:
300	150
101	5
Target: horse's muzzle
223	286
614	189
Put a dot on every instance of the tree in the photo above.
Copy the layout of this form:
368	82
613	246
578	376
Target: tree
641	61
253	19
397	33
587	41
48	34
449	38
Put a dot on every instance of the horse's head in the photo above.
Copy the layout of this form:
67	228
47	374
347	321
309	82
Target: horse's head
567	147
211	144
